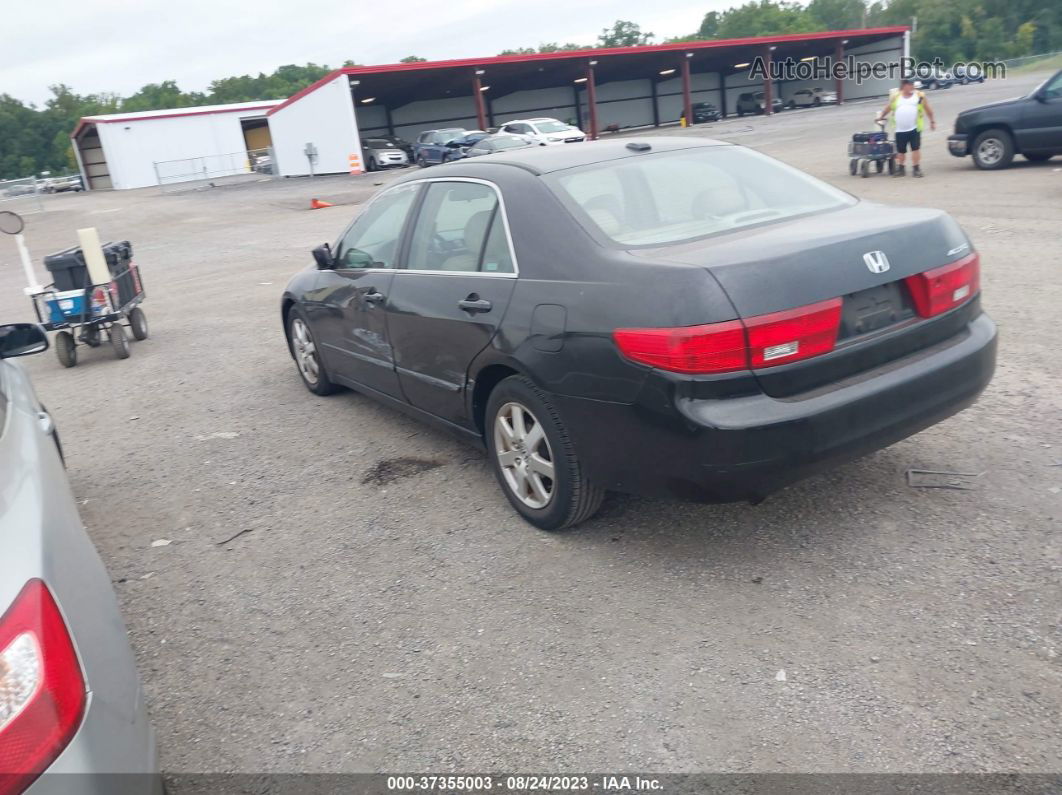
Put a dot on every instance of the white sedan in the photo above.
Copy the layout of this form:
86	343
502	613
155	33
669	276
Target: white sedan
546	132
812	97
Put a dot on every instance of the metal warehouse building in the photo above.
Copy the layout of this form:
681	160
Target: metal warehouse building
132	150
599	90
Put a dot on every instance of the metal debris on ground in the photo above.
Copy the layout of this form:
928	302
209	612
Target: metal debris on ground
941	479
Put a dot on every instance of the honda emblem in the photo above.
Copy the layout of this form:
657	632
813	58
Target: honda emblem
876	261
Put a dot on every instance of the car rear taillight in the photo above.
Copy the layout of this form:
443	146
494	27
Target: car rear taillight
940	289
42	690
714	348
760	341
793	334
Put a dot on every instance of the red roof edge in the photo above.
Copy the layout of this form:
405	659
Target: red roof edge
595	53
86	120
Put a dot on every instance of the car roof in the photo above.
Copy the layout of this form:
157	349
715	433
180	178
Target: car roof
547	159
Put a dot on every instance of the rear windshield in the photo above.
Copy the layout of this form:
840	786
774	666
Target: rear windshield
509	143
672	197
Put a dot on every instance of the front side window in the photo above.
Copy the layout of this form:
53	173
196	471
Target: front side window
452	230
670	197
372	241
1053	87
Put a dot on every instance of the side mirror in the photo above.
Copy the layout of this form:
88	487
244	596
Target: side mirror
322	255
22	339
1041	95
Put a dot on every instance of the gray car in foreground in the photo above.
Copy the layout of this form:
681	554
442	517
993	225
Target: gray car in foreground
72	714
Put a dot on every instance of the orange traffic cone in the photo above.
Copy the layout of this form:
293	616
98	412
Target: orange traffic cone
317	204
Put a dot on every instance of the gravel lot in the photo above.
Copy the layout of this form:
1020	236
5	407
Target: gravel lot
417	624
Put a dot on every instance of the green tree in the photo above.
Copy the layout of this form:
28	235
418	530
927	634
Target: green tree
413	59
623	34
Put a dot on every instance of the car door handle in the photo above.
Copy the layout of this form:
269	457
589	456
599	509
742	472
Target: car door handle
374	297
474	304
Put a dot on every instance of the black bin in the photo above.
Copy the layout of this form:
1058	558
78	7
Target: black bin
69	271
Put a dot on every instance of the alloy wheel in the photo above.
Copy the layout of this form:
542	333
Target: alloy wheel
305	351
990	151
524	455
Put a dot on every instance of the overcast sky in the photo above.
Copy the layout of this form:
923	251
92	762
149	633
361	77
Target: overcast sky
119	45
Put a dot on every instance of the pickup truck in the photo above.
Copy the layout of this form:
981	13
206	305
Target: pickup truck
1029	125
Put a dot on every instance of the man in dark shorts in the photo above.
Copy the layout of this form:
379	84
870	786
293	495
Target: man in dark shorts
909	109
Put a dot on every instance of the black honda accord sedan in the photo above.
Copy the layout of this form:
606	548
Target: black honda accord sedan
669	317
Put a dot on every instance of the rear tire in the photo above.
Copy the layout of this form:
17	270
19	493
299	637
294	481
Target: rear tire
993	149
892	165
853	165
138	323
421	161
864	168
119	342
65	350
879	166
533	458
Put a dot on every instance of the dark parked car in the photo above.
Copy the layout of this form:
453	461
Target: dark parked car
966	76
499	143
675	316
755	102
704	112
1029	125
433	146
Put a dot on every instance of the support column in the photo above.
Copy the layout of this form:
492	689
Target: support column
656	105
390	123
768	84
477	92
578	106
838	83
591	102
687	98
722	95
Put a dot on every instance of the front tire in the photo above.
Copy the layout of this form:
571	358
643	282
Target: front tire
65	349
119	342
993	149
534	459
305	352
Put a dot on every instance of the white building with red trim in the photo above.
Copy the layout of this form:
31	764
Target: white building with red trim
320	129
120	150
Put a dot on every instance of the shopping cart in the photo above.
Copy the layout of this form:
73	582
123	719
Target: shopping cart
868	148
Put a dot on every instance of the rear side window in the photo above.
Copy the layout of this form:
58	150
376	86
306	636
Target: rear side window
454	228
671	197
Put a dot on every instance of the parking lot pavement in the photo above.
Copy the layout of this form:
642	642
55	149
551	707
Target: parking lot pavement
306	618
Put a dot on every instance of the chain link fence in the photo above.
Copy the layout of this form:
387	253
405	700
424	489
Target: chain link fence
211	171
1029	63
21	195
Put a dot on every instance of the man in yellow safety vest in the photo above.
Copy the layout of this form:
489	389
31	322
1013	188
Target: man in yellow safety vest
909	109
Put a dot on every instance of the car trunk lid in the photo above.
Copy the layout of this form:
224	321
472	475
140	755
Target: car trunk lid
860	254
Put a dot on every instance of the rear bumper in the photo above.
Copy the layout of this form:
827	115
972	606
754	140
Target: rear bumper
739	448
959	144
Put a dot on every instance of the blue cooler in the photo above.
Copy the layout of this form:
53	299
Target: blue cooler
68	305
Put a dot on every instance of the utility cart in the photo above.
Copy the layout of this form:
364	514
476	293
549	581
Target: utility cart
82	312
871	148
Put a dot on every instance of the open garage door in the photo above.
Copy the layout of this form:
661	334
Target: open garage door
93	159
